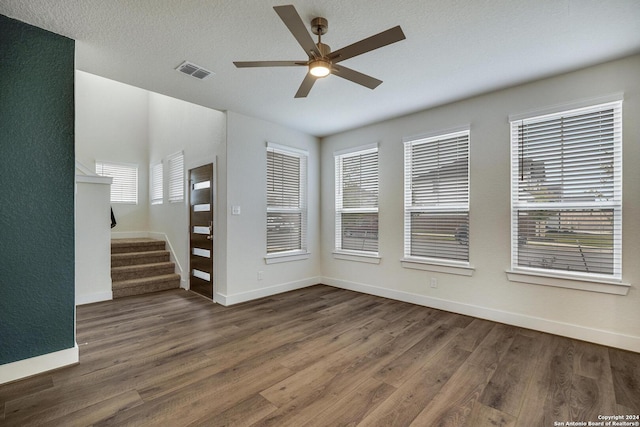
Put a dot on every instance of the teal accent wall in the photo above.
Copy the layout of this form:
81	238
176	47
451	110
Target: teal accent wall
37	168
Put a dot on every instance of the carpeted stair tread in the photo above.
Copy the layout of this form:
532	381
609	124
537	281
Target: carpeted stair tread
145	280
133	258
145	285
141	270
136	245
140	266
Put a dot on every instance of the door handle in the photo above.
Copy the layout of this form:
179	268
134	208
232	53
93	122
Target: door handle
210	236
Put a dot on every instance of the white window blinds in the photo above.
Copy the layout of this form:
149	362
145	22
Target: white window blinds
156	184
124	188
286	200
357	200
436	208
176	177
566	191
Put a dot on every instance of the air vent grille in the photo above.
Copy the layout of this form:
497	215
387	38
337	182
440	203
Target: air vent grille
194	70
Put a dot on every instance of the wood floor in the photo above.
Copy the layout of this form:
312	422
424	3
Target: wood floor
318	357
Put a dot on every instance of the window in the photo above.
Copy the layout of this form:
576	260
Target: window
156	184
357	200
436	199
566	192
176	177
286	200
124	188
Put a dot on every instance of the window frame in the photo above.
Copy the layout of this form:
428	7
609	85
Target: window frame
125	193
301	252
369	208
567	278
438	264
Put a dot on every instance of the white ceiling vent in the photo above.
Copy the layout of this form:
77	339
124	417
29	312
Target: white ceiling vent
194	70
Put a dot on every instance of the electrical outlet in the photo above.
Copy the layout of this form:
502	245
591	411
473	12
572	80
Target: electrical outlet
260	275
434	282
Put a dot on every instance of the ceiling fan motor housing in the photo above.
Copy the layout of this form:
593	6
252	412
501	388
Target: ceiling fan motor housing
319	26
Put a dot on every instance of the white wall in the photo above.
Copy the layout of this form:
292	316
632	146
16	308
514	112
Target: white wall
246	233
199	132
103	130
111	125
609	319
92	239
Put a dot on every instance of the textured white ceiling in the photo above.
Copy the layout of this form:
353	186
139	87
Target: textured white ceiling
454	49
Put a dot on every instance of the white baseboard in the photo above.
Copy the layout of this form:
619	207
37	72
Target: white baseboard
232	299
95	297
598	336
36	365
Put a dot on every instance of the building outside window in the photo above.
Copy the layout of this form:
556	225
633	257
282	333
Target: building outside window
566	192
356	200
436	198
286	200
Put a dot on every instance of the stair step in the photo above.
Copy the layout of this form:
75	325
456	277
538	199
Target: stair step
140	266
137	258
136	245
139	271
145	285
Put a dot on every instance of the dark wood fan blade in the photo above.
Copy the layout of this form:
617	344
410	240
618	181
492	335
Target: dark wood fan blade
294	23
355	76
245	64
384	38
306	86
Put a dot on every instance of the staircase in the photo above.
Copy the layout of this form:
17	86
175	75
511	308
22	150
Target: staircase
140	266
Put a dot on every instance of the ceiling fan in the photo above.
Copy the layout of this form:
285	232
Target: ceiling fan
322	61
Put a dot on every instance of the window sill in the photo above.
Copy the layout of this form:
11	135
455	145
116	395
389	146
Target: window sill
370	258
286	257
460	269
583	284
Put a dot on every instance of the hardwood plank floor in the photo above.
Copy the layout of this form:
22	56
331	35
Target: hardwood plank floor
318	356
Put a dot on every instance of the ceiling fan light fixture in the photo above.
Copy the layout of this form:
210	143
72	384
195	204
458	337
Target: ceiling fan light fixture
320	68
